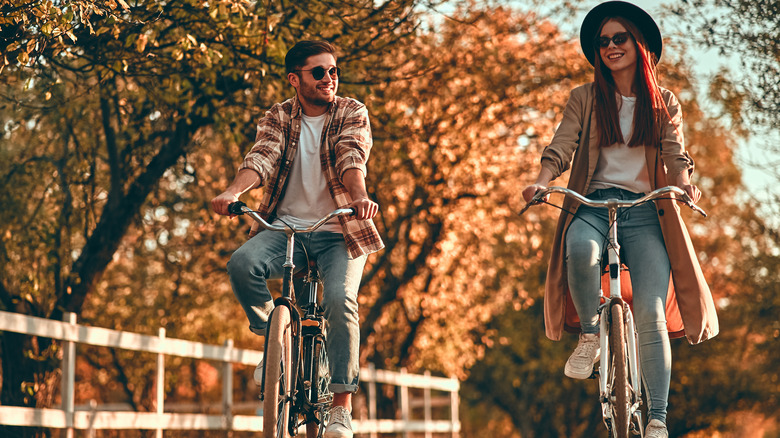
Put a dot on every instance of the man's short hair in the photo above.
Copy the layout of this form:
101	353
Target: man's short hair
296	57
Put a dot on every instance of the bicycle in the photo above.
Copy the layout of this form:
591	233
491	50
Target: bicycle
620	387
294	387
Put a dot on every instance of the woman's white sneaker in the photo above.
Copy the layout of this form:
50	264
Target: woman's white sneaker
580	363
656	429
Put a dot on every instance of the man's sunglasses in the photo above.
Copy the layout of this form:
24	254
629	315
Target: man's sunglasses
618	39
319	72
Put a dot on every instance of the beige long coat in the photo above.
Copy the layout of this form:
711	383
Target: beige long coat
690	309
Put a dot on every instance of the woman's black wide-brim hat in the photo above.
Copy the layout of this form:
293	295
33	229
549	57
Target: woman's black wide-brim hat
633	13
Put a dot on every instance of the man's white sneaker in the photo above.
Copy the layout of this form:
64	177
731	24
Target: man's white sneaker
580	363
656	429
340	423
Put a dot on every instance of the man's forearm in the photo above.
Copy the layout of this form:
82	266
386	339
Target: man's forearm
246	179
355	183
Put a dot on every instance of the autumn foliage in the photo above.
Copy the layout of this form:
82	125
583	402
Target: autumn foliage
121	120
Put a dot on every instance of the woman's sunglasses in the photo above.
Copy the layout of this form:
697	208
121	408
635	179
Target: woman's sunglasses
319	72
618	39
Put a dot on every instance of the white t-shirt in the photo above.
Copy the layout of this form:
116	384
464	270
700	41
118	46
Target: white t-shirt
619	165
307	198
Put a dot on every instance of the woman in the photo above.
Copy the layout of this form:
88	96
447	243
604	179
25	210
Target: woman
622	137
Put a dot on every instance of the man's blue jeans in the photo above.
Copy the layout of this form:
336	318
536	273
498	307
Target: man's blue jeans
261	258
642	249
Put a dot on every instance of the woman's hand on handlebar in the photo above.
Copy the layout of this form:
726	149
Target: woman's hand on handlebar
364	208
684	182
530	191
220	203
541	183
692	191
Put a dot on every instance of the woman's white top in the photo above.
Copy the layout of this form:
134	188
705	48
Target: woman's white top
619	165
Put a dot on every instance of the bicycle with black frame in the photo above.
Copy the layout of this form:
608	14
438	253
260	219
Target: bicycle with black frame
295	378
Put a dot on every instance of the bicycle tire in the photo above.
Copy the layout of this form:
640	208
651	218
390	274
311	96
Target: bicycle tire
278	375
619	396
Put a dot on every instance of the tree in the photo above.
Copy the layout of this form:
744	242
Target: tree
103	104
452	139
747	29
750	92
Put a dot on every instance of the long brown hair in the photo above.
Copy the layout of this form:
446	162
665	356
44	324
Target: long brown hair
650	105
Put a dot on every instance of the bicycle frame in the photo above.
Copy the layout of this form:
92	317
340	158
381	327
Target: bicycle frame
615	296
312	332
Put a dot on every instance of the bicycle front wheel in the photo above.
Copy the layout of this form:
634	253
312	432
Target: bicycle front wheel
278	374
619	390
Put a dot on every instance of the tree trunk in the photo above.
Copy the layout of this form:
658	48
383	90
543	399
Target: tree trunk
18	369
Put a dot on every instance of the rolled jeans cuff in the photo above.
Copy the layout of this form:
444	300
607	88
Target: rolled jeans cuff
340	388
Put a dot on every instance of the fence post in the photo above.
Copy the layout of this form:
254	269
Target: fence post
92	412
227	390
403	395
160	383
372	415
454	405
69	375
427	405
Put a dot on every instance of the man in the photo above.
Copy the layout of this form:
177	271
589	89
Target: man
310	154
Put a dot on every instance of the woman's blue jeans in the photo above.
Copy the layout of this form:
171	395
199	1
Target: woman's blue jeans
642	249
261	258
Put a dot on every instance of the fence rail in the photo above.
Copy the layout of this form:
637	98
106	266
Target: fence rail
69	418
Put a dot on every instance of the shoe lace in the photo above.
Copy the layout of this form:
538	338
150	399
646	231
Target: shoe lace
340	415
585	349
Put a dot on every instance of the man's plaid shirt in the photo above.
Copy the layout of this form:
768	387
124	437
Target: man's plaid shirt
345	144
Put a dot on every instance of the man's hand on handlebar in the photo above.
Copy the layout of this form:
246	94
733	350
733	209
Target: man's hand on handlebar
364	208
220	203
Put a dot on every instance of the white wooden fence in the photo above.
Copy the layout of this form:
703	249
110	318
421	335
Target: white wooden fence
69	418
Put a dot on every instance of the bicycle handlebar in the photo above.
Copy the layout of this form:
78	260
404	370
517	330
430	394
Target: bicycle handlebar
238	208
615	203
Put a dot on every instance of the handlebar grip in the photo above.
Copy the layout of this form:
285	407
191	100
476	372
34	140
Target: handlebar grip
236	208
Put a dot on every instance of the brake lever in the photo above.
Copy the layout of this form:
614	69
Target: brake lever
536	200
689	202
